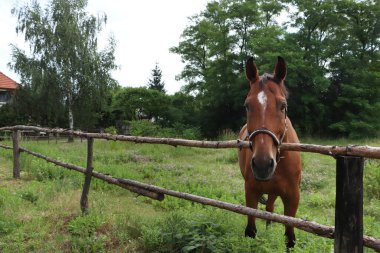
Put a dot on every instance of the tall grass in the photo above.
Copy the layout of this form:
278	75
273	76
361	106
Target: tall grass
41	213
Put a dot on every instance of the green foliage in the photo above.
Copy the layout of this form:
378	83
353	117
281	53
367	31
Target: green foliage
331	47
179	234
155	83
176	115
184	109
332	50
140	103
372	180
119	221
7	226
9	116
143	128
111	130
148	128
65	75
29	196
85	236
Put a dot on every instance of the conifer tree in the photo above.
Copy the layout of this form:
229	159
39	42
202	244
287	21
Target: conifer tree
155	82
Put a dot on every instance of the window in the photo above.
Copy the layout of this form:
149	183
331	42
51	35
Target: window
5	96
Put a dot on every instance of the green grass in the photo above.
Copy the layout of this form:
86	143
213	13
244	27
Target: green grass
41	212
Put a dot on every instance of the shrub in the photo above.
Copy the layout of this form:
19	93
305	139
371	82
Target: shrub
227	134
85	238
29	196
179	233
142	128
111	130
148	128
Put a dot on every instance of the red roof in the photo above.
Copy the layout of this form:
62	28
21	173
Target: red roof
7	83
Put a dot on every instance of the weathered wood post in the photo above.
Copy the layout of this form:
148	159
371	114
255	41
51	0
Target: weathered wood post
16	153
348	237
87	179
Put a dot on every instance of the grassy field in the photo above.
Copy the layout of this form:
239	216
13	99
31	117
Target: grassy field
41	212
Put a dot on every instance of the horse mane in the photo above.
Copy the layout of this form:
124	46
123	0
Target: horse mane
266	77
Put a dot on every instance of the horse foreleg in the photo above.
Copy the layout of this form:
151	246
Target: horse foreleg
290	209
251	199
270	206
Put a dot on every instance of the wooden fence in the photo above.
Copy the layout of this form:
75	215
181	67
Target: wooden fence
347	234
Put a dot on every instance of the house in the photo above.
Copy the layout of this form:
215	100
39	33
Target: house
7	88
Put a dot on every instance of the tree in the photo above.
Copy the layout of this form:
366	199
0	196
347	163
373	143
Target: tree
156	83
214	48
306	50
332	51
65	73
140	103
355	62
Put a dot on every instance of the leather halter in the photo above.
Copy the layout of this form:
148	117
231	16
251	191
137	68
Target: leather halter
277	141
263	130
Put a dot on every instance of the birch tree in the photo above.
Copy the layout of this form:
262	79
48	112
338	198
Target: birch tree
64	65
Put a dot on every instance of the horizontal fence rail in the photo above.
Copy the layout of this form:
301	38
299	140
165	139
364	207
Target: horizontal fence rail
159	193
331	150
107	178
5	146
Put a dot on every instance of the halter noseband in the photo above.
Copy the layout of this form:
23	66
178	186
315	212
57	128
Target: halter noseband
264	131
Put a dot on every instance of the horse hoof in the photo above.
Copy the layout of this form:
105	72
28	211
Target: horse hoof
250	232
290	244
263	200
290	240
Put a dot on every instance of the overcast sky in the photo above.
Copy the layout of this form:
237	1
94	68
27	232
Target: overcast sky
144	31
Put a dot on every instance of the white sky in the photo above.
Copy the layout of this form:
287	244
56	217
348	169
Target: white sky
144	31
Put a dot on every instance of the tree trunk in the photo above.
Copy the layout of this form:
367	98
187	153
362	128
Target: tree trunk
71	121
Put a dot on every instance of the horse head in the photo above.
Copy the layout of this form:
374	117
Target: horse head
266	108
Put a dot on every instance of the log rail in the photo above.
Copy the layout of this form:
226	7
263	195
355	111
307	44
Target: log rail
331	150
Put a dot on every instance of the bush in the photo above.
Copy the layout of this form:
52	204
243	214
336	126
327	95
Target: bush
148	128
85	236
178	233
227	135
29	196
111	130
142	128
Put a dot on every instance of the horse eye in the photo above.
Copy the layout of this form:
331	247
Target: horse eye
283	107
246	107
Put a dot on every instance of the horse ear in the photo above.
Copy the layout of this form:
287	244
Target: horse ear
251	70
280	69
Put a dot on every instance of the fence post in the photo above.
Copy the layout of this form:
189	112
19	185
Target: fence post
16	153
348	237
87	180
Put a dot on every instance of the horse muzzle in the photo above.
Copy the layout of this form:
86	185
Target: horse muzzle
263	168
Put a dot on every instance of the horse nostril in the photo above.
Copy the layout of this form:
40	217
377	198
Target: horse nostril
271	163
253	163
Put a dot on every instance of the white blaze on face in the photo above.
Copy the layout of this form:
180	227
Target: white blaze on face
262	99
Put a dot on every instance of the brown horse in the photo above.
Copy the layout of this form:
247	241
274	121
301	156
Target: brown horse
264	169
